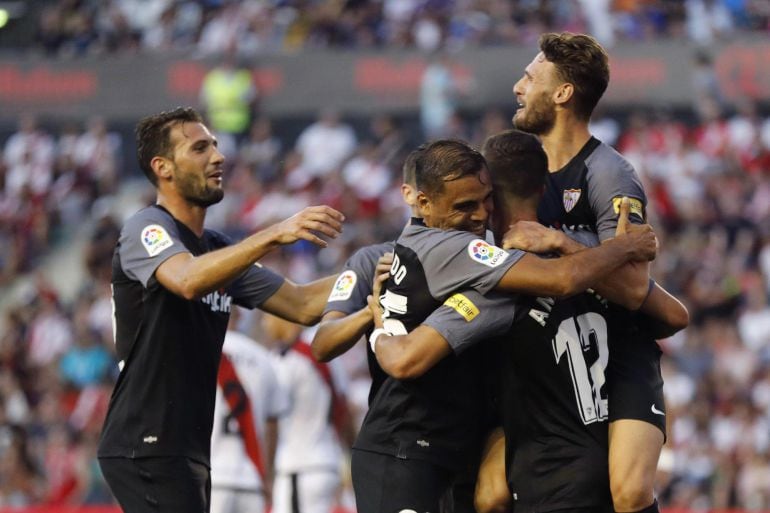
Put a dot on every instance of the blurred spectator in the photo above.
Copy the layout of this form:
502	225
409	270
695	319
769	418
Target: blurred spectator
77	27
439	93
99	249
29	159
368	178
97	155
260	151
50	333
229	97
21	483
325	145
87	362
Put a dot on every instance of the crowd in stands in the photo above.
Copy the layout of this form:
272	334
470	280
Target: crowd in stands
48	184
709	200
254	27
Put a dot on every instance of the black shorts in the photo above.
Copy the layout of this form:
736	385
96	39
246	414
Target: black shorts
386	484
167	484
634	382
459	497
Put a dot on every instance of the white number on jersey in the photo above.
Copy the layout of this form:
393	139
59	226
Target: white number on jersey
575	337
397	270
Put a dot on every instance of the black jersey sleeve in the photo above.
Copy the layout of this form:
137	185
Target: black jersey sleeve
610	177
255	286
467	318
147	240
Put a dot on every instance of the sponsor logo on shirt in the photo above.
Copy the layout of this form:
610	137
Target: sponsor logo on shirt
485	253
219	301
636	206
155	239
571	197
463	306
344	286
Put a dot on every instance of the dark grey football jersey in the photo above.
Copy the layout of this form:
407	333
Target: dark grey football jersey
553	396
168	347
586	193
435	417
349	294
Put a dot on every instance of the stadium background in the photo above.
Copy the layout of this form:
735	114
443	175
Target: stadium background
688	105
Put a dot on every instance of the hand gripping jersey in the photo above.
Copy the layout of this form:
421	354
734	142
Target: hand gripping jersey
435	417
585	195
554	410
349	294
168	347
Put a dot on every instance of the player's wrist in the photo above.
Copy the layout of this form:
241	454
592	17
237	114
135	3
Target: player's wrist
266	239
375	335
561	243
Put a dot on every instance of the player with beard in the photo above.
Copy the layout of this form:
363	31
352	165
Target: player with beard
347	317
423	423
587	179
553	408
174	283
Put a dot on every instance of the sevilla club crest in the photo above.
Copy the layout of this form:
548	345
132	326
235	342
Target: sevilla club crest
571	197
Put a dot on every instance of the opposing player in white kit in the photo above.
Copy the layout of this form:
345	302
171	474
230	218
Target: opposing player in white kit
243	441
316	422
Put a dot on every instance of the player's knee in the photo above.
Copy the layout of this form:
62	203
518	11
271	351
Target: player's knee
631	493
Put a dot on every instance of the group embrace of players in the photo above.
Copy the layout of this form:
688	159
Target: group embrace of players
511	326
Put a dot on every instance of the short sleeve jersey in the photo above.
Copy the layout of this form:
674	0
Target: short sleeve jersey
168	347
248	394
349	294
554	398
307	439
586	193
434	417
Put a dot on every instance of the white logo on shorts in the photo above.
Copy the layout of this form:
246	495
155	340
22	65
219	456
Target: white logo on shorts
656	411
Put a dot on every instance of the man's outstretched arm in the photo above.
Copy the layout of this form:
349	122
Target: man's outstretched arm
192	277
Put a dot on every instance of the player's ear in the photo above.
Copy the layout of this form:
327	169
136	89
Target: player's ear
162	167
409	194
423	204
563	93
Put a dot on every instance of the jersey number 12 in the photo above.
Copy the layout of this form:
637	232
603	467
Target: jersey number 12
578	337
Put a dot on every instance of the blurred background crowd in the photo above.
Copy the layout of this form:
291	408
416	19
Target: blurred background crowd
73	27
69	185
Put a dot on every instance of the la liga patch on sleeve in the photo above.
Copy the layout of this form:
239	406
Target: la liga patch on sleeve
343	287
156	239
485	253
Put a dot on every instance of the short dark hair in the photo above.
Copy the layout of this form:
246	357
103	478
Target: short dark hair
445	160
517	162
153	136
581	61
410	163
